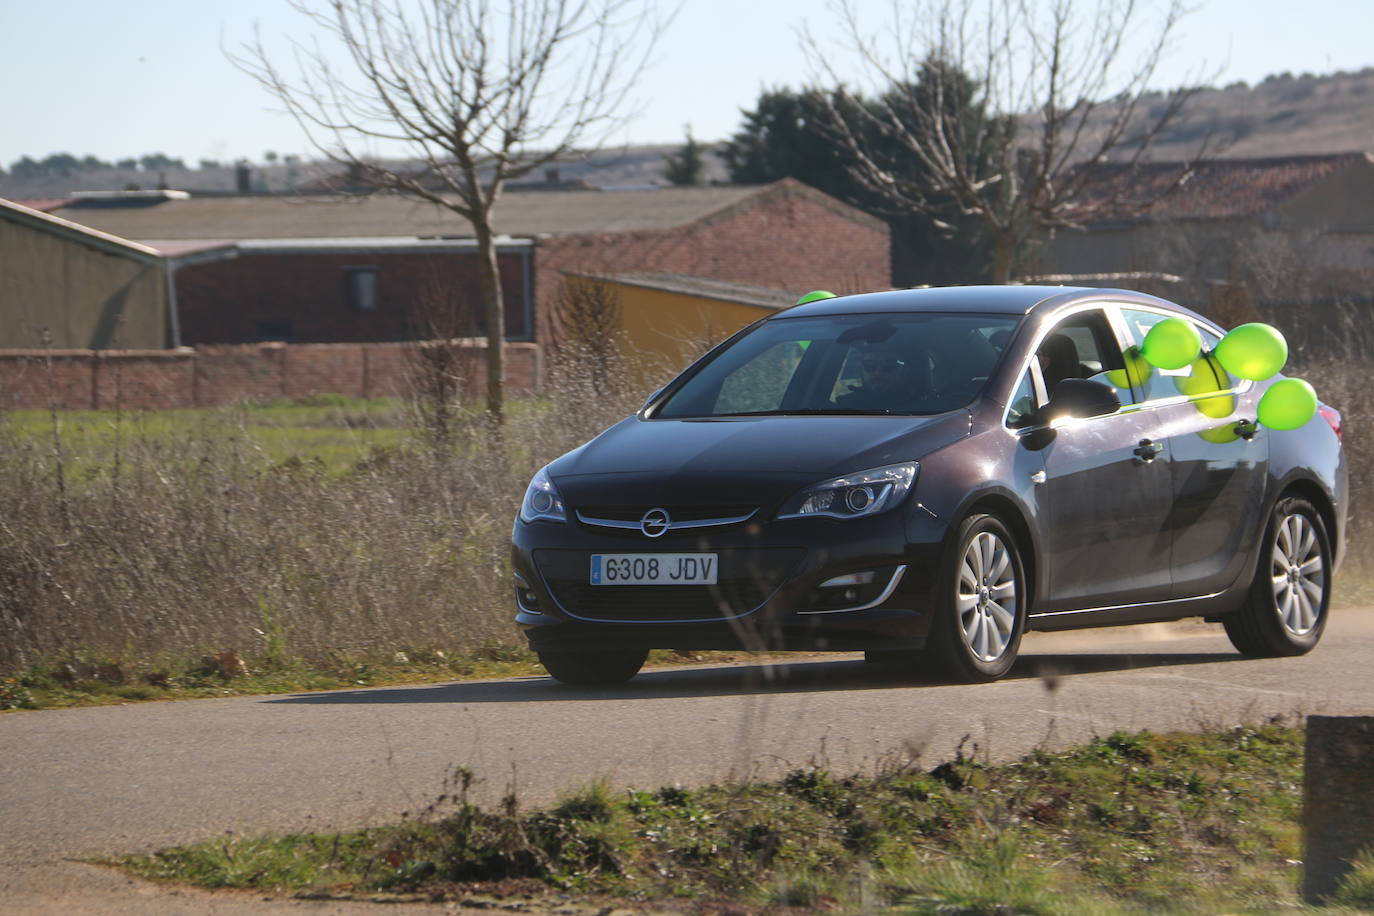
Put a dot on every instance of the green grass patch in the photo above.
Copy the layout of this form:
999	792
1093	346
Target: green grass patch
1131	823
94	680
332	433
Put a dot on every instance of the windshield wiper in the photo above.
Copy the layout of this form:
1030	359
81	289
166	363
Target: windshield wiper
810	412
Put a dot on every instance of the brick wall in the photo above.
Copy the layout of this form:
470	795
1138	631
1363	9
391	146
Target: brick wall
303	296
212	376
787	237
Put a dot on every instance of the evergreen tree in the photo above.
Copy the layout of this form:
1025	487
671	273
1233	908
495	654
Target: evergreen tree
788	134
687	166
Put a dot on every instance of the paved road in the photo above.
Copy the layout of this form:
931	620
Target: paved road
94	781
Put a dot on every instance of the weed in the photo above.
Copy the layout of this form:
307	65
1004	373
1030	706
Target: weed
1024	840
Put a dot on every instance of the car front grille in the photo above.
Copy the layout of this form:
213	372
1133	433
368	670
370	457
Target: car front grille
747	579
623	521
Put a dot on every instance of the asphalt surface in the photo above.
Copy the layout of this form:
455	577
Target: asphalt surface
91	782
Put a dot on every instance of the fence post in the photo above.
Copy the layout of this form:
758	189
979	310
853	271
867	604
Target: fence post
1337	800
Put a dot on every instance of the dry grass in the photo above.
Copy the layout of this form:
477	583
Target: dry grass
200	541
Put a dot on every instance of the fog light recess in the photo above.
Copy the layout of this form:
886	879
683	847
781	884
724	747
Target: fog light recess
855	591
525	596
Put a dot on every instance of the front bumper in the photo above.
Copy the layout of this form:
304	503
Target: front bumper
767	598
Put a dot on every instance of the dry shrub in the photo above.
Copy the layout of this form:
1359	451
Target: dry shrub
1333	360
201	543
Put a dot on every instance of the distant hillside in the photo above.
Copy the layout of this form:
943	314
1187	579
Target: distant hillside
1284	115
633	166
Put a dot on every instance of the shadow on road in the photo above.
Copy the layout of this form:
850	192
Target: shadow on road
763	678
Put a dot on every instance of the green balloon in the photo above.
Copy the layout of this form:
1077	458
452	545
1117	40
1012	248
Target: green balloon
1219	435
1207	376
1136	373
1255	351
814	295
1288	404
1171	344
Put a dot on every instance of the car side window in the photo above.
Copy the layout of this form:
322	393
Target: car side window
1157	384
1083	346
1021	410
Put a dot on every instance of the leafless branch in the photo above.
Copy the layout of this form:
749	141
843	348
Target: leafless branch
1006	107
479	91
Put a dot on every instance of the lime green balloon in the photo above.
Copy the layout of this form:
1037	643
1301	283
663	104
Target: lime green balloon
1207	376
1255	351
814	295
1171	344
1137	372
1219	435
1288	404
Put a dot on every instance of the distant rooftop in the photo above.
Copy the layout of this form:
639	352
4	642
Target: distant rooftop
1216	189
554	213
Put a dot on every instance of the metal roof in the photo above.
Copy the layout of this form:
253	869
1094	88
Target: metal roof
76	232
526	213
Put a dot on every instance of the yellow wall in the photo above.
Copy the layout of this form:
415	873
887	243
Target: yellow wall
667	330
83	296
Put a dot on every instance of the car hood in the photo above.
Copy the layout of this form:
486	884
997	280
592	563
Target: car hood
740	459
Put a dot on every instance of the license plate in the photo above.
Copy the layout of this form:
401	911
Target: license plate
654	568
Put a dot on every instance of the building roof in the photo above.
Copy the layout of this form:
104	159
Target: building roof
75	232
42	204
526	213
1215	189
703	287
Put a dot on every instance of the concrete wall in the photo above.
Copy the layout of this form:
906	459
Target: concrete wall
83	295
667	330
213	376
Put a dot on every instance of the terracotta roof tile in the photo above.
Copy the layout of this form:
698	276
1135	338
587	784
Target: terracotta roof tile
1217	189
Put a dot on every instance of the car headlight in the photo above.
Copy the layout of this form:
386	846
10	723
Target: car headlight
854	495
542	500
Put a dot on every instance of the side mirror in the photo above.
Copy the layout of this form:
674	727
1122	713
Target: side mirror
1080	398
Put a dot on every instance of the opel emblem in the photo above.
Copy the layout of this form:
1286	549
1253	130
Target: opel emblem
655	523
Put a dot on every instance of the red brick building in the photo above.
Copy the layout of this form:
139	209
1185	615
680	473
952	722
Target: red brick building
305	269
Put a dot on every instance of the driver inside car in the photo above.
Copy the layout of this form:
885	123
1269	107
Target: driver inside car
883	383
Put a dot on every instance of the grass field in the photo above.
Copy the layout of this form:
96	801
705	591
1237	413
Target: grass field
1127	824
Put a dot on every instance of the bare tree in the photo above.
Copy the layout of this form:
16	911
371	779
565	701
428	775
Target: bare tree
1006	107
479	91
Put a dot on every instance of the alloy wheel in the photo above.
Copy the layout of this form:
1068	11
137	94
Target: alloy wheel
987	597
1298	574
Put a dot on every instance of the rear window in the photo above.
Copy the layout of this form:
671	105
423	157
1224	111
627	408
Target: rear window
908	364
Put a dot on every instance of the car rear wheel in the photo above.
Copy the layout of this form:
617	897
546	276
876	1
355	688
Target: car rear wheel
583	669
1285	610
977	630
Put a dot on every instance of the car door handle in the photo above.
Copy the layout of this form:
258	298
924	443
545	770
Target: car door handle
1147	450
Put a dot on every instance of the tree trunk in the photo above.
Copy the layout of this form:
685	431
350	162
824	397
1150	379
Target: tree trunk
494	319
1002	247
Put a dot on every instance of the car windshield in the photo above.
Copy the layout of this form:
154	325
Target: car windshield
908	364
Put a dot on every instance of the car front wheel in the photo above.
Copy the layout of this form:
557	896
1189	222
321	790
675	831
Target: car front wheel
1285	610
582	669
981	613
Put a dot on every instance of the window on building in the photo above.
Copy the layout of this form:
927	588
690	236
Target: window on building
360	288
274	330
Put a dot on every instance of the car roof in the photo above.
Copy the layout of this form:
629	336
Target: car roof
1004	300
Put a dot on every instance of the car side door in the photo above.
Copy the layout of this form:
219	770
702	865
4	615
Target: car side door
1218	476
1104	497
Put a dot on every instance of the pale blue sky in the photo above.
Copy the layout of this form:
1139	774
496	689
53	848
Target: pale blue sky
120	78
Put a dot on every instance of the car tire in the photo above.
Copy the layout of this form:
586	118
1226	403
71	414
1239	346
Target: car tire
981	611
585	669
1286	608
